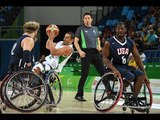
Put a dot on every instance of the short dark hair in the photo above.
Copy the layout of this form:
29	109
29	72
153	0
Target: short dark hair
72	34
120	23
87	13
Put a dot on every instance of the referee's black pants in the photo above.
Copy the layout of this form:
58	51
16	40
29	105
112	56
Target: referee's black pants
92	57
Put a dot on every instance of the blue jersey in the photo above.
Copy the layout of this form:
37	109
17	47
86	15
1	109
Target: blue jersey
119	52
17	53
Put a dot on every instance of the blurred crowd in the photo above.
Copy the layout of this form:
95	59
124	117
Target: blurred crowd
144	30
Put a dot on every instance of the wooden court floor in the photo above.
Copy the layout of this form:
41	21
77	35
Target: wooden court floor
68	105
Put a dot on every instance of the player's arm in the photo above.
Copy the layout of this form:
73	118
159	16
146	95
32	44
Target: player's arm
50	40
106	61
139	61
27	45
48	43
106	54
65	50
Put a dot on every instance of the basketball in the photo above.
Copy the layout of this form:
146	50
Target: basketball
52	28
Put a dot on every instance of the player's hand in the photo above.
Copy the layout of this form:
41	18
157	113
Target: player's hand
51	36
147	81
117	74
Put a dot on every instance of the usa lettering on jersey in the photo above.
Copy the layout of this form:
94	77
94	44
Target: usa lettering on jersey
123	51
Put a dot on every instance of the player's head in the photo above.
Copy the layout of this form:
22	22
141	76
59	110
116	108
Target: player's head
120	29
31	27
68	38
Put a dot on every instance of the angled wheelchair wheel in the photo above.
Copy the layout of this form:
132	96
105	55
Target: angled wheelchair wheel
25	91
107	92
145	99
54	88
2	89
2	95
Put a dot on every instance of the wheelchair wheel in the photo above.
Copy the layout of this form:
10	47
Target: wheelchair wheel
2	88
25	91
107	92
54	88
4	101
145	99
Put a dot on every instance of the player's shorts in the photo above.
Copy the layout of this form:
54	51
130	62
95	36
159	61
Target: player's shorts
129	73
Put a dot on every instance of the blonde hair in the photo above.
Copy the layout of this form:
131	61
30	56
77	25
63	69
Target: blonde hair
31	26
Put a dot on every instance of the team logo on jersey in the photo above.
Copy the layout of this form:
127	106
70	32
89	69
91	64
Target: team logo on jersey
123	51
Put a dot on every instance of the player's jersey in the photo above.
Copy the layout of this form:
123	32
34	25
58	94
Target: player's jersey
119	52
57	61
17	53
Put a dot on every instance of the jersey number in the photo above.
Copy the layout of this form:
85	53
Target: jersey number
124	60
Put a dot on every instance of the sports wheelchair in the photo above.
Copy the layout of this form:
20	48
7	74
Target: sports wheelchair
110	90
54	86
25	91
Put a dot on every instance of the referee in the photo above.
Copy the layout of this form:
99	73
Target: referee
87	43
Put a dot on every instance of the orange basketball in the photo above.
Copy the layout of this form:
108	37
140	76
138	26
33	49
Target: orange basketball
52	28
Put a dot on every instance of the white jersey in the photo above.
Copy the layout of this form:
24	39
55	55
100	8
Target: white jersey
53	62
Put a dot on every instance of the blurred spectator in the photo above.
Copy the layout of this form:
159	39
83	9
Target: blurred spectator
103	38
3	10
139	42
144	33
152	11
158	34
146	22
131	33
138	17
157	24
151	39
107	33
3	13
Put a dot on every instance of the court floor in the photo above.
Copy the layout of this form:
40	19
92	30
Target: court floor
68	105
